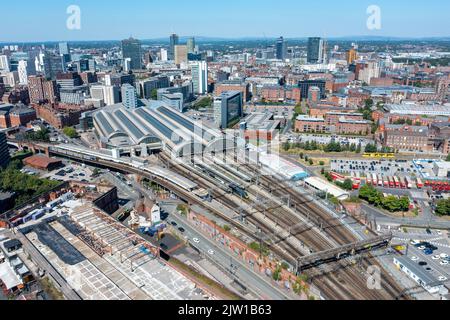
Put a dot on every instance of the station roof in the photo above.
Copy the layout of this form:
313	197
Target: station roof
154	122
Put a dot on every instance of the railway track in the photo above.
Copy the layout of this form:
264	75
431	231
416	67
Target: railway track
342	281
346	288
336	230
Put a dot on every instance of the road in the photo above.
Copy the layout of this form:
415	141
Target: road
426	220
221	256
43	263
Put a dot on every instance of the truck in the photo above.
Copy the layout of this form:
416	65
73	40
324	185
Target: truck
396	182
419	183
380	181
391	182
386	182
374	179
408	183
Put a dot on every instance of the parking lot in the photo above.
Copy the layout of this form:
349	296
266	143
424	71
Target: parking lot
324	139
71	172
430	249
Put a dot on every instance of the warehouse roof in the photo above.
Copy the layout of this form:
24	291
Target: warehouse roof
41	162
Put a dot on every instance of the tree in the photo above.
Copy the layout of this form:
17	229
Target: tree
448	158
286	146
154	94
347	184
443	208
70	132
371	148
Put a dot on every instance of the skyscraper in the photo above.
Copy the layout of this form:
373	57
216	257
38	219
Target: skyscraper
191	45
131	48
129	96
317	50
164	55
281	49
64	48
4	63
200	77
352	55
181	54
22	70
173	42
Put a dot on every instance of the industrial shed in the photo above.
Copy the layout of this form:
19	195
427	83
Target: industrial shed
41	162
327	187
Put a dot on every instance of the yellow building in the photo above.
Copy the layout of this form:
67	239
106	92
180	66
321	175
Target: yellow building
181	54
352	55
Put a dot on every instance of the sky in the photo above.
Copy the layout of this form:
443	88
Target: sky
46	20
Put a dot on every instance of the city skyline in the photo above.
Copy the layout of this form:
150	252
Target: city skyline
254	19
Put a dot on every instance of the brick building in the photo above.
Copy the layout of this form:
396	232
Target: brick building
280	94
42	90
233	86
13	116
60	116
341	123
405	137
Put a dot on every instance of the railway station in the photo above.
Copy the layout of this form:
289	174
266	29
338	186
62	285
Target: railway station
155	123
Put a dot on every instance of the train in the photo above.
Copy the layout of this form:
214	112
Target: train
239	191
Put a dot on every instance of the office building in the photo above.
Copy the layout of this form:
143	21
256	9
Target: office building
281	49
111	95
129	96
52	65
4	63
4	151
64	48
164	54
200	77
181	54
71	88
22	70
317	50
145	87
305	86
352	56
174	39
186	89
131	48
228	109
191	45
174	100
127	64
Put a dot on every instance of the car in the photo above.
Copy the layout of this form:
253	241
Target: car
443	255
414	242
196	240
181	230
422	247
422	263
442	278
439	233
436	257
211	252
414	258
444	263
428	252
173	223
